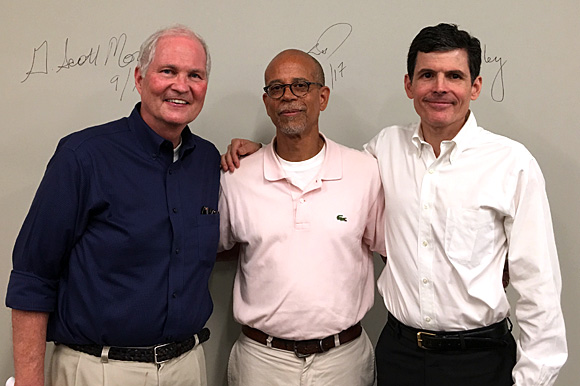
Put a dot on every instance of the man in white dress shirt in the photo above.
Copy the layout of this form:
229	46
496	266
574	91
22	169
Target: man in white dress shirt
461	200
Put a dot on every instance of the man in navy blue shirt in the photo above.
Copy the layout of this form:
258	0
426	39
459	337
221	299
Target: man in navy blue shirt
113	260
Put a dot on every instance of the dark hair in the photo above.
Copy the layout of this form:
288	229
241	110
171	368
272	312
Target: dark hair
445	37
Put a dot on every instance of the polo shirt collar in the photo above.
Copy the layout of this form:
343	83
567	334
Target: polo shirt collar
331	167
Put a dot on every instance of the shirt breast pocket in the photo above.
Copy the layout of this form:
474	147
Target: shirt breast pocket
469	236
208	232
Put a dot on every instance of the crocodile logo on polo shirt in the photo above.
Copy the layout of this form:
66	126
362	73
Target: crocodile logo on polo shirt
340	217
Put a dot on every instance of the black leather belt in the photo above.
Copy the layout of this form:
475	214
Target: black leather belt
485	337
155	354
303	348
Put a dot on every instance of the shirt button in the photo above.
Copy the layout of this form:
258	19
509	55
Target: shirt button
427	319
170	171
425	243
177	251
174	210
426	206
302	201
425	280
431	171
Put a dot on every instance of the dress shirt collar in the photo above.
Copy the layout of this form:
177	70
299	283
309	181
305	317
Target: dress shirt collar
152	142
458	144
331	167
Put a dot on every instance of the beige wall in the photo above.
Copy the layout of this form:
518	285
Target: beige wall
534	99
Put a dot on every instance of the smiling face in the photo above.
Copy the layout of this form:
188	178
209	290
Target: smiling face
292	115
173	88
441	90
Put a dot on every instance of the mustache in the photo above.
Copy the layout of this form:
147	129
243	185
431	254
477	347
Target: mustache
290	107
439	99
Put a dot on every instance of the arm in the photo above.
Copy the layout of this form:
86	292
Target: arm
236	149
40	252
370	148
374	235
29	345
535	275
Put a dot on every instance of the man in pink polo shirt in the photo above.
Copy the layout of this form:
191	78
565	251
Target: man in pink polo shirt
306	213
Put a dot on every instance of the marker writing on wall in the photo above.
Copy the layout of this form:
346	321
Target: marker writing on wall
116	55
327	45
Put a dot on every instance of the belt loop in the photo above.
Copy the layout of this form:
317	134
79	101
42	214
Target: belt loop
269	340
196	340
336	340
105	354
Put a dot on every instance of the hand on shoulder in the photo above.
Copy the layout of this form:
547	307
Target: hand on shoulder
237	149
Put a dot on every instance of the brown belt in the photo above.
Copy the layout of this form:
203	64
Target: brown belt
303	348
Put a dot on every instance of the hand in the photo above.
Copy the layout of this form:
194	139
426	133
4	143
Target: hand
236	149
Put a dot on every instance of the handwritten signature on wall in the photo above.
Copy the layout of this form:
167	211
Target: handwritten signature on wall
115	55
327	45
326	49
497	86
332	39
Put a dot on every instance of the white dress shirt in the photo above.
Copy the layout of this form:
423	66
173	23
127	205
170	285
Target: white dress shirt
451	222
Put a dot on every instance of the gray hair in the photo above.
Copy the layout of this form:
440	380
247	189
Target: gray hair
147	50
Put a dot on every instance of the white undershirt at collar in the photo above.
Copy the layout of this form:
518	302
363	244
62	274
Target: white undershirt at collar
301	173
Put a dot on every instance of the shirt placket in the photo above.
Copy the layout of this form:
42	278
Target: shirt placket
425	245
175	279
302	201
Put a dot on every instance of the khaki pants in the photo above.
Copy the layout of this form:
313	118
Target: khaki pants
73	368
253	364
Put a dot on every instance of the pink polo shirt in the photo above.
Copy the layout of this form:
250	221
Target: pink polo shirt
305	269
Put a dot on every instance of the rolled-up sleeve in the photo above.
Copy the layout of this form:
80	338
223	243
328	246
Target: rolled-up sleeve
47	236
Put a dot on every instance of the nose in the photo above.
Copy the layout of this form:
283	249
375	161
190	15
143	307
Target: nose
440	84
287	94
180	83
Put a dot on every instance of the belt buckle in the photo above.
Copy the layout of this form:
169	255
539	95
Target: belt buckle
299	355
157	362
420	339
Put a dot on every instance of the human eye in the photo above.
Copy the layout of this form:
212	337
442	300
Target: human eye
300	86
166	71
275	87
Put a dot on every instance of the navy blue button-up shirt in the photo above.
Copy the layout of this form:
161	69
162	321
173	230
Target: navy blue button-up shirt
120	240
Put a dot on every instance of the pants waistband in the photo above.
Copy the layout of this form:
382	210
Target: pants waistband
479	338
304	348
155	354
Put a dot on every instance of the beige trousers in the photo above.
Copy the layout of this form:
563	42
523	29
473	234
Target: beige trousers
253	364
73	368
